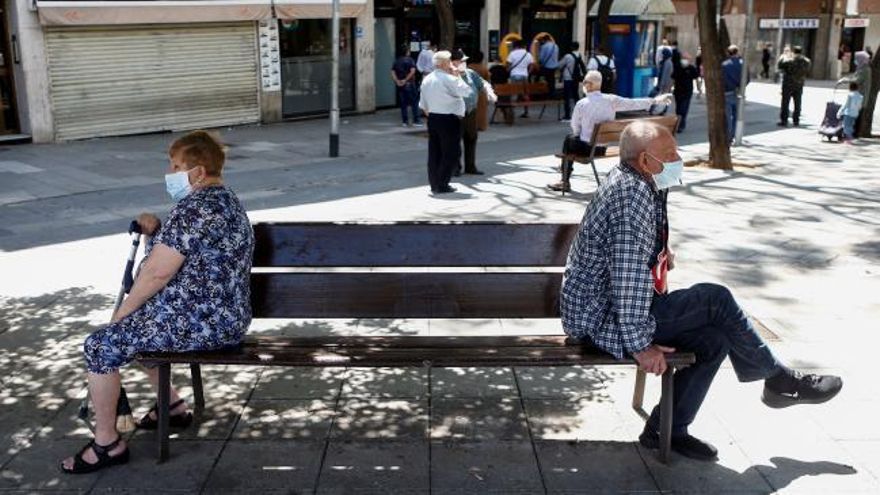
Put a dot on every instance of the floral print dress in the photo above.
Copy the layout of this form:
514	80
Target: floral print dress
207	303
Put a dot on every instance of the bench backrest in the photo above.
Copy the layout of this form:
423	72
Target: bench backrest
609	132
520	88
336	284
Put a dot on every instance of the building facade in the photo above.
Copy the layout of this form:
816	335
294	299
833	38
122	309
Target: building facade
829	31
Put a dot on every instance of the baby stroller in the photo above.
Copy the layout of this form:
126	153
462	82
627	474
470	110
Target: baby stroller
832	125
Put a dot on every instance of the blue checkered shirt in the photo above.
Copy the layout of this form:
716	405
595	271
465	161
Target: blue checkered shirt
608	289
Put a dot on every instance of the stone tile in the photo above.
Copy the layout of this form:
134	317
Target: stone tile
259	466
23	420
215	423
478	419
571	467
809	466
580	419
473	382
732	473
484	467
38	468
396	383
299	383
375	467
847	419
865	454
561	382
359	419
291	419
186	470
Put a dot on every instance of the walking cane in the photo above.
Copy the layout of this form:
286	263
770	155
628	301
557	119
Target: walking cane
124	420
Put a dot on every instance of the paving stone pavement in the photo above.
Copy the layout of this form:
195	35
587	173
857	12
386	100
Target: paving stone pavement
794	235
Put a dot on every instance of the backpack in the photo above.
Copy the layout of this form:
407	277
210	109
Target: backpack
607	75
579	70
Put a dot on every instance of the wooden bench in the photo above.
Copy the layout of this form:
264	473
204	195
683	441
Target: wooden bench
483	286
537	92
608	134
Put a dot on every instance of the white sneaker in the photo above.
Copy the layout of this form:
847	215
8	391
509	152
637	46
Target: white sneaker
404	125
565	120
418	124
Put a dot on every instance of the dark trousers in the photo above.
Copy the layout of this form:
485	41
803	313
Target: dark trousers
570	96
706	320
682	107
789	94
408	97
549	75
766	72
469	135
444	148
573	145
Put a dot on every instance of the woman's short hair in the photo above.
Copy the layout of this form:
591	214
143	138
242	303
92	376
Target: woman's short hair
200	148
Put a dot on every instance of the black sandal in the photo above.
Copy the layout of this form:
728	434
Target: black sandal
102	452
176	421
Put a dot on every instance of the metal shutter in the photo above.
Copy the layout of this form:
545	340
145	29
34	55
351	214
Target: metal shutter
135	79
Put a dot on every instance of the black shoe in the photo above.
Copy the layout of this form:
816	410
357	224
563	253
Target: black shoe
782	124
474	172
445	190
456	173
177	421
560	186
686	445
524	116
801	389
797	123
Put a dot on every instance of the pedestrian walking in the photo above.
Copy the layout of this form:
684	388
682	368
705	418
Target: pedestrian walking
664	72
425	62
469	124
765	61
850	112
548	60
443	93
684	76
698	62
519	65
794	73
731	71
403	73
604	63
572	69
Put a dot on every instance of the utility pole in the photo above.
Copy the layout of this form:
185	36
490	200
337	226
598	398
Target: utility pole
334	83
744	76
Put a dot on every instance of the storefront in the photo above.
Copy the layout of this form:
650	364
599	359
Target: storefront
852	40
306	64
795	32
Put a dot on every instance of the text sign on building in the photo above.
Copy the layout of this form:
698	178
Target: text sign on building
270	56
789	23
856	23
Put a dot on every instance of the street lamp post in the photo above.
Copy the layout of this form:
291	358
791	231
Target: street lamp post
334	83
744	77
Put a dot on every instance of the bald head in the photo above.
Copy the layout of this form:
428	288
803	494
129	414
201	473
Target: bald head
645	145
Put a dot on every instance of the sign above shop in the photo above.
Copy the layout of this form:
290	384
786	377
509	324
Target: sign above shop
804	23
619	29
856	23
550	14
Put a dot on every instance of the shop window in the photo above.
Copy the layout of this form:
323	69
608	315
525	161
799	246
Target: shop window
306	65
647	43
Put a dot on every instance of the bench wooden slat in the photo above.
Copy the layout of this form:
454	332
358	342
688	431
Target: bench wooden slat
411	244
609	132
405	295
376	356
406	341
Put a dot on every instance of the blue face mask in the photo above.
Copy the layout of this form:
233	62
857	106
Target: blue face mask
670	175
177	185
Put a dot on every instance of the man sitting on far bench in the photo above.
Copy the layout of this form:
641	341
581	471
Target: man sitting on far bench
594	108
614	295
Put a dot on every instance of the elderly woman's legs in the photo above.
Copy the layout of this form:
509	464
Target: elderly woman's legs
104	391
180	409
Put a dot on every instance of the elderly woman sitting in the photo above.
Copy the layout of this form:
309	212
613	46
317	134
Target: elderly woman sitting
192	292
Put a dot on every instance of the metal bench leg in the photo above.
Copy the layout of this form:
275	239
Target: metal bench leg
198	393
639	392
164	413
494	111
595	173
666	415
541	115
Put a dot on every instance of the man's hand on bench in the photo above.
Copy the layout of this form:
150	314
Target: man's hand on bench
653	359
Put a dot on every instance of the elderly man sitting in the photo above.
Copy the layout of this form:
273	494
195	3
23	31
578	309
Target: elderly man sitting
594	108
614	295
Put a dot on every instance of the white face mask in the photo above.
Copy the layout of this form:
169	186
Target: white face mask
178	186
685	63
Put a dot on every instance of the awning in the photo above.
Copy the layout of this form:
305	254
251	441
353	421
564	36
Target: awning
317	9
640	8
109	12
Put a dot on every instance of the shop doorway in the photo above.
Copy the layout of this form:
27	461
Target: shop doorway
306	64
8	55
852	40
386	92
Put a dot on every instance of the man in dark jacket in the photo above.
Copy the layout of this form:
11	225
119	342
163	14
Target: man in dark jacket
684	75
765	61
794	73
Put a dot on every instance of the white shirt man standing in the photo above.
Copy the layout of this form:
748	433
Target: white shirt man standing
425	62
519	61
443	93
